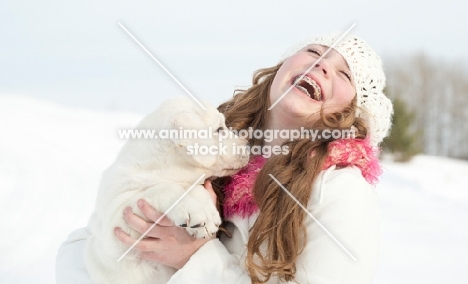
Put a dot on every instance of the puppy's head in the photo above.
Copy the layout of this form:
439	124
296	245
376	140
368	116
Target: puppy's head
204	141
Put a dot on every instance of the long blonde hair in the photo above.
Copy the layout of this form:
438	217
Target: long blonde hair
278	236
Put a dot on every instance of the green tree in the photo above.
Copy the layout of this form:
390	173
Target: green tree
404	140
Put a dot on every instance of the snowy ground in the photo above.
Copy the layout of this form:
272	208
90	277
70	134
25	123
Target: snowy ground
51	158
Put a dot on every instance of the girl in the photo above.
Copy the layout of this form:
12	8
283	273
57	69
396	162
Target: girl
270	238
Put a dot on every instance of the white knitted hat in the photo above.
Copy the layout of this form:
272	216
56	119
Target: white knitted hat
365	65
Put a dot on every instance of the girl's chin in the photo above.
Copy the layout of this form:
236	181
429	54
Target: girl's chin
299	109
307	100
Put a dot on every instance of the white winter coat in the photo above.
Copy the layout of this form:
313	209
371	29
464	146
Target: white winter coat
342	203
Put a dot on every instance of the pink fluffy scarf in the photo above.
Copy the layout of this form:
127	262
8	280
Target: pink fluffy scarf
239	199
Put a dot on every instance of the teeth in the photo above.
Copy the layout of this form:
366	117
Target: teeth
317	94
303	90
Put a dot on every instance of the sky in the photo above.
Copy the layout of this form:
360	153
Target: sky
75	53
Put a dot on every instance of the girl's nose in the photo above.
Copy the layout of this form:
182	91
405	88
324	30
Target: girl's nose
323	67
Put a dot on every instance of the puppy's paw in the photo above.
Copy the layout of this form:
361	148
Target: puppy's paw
199	217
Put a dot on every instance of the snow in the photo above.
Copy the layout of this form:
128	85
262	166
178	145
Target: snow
51	159
424	205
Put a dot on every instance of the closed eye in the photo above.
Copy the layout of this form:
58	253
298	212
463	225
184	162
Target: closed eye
313	50
347	74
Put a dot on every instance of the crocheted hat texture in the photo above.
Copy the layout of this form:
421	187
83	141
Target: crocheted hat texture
238	196
366	66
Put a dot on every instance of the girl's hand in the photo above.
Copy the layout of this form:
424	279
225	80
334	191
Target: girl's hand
165	243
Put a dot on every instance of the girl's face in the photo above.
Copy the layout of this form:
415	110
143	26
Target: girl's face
329	85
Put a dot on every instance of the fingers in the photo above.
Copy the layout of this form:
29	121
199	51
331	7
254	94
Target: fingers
141	225
144	245
153	214
148	228
137	223
209	187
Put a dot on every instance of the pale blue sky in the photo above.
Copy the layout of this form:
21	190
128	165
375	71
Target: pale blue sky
74	52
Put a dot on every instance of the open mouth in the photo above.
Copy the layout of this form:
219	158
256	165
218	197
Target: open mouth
309	87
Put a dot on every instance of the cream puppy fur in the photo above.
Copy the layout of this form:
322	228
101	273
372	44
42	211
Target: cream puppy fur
160	171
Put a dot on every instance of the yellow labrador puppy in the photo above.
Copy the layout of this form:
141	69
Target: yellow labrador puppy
160	170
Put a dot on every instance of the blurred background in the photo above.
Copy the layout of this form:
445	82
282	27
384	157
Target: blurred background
70	77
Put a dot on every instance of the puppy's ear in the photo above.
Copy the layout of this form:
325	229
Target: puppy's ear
188	124
185	124
180	143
